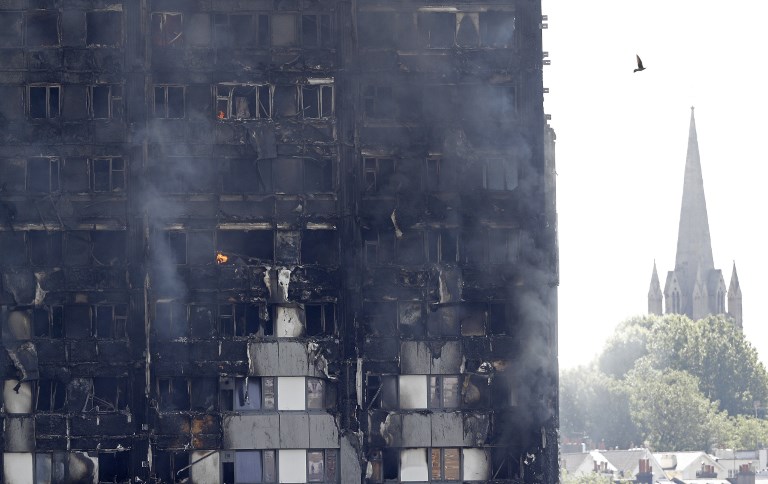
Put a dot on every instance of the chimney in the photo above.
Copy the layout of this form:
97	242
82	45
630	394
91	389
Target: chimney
645	473
707	471
746	474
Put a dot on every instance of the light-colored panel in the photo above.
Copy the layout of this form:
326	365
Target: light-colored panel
290	322
451	358
447	429
413	465
323	433
292	465
291	393
416	430
206	468
17	402
414	358
18	468
264	359
413	391
294	360
294	430
20	434
477	463
256	431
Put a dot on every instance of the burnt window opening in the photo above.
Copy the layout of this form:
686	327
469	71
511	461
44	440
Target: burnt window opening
320	394
10	28
381	392
42	28
244	101
45	248
376	29
248	176
244	320
445	464
173	394
498	319
318	175
473	318
319	247
108	247
385	465
44	101
437	29
169	102
51	395
467	30
497	28
286	101
108	174
114	466
201	321
48	322
110	394
381	318
410	248
443	321
504	246
317	101
248	394
443	246
110	321
176	246
13	173
43	174
247	244
241	30
171	320
411	319
249	466
284	30
378	247
204	394
320	319
378	102
105	101
167	29
316	30
433	167
500	174
104	27
77	318
378	174
322	465
200	247
444	391
172	466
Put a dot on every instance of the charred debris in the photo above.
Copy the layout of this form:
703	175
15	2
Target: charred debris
276	241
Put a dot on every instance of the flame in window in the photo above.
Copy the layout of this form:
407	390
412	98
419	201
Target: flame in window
221	258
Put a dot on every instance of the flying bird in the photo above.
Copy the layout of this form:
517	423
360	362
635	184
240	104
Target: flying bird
639	64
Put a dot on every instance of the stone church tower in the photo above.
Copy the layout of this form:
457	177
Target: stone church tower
695	288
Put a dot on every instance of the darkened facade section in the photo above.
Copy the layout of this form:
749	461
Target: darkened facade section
276	241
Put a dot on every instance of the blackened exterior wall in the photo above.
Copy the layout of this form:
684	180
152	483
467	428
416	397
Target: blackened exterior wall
276	241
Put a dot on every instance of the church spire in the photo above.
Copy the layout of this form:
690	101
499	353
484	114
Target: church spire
734	298
654	293
694	246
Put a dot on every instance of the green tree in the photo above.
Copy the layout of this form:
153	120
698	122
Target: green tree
628	344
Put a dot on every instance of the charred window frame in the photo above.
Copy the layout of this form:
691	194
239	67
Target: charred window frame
318	394
241	30
114	466
110	394
258	394
108	174
247	244
319	175
249	466
172	466
45	248
48	322
443	246
378	173
410	248
467	29
171	320
239	320
500	174
173	394
437	29
169	101
105	101
50	395
444	391
504	245
167	29
411	319
316	99
104	28
445	464
322	465
382	391
43	28
316	30
378	102
176	246
320	319
11	28
110	321
244	101
378	246
44	101
285	30
498	29
43	174
247	176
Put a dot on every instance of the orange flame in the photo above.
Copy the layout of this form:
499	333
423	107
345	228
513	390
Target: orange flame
221	115
221	258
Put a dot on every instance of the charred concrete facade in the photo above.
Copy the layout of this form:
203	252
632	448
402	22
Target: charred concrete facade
276	241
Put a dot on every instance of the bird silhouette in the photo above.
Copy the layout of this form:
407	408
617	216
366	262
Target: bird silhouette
639	64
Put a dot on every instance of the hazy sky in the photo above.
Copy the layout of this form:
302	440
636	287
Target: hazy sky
621	146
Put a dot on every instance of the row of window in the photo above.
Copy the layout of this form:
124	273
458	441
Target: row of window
76	248
46	174
419	392
437	464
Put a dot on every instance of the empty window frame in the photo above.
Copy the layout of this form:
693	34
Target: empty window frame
378	174
42	28
110	394
467	29
104	28
44	101
171	467
241	30
378	102
444	391
43	174
168	101
108	174
500	174
51	395
410	248
284	30
316	30
244	101
322	465
247	176
316	99
381	392
175	242
318	175
171	320
244	320
436	175
320	247
378	246
443	246
437	29
11	28
167	29
108	247
110	321
320	319
48	321
247	244
503	245
173	394
497	28
249	466
248	393
45	248
445	464
105	101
